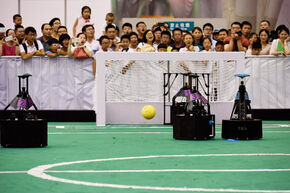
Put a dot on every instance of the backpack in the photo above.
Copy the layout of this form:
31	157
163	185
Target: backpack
25	47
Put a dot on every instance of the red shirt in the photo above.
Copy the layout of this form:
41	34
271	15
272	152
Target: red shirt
245	42
8	51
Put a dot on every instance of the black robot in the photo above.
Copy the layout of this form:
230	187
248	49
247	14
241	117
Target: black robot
241	124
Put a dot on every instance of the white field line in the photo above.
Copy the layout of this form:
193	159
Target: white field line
39	172
108	127
104	133
166	170
13	172
161	126
147	171
127	133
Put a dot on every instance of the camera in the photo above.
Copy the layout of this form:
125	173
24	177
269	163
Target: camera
8	38
239	33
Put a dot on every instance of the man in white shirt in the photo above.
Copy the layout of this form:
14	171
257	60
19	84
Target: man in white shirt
89	31
31	47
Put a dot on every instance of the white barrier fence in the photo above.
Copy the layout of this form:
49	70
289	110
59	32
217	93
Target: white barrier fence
268	86
56	83
67	84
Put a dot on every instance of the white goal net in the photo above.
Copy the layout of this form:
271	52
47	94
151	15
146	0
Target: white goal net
155	77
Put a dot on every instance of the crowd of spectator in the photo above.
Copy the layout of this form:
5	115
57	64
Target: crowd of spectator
55	40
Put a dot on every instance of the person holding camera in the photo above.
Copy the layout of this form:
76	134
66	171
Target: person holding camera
236	42
11	45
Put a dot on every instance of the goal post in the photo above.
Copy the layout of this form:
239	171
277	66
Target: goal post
99	95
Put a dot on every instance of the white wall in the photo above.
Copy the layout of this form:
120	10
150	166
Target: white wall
7	11
35	12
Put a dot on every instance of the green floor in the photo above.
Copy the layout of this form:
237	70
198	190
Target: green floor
145	159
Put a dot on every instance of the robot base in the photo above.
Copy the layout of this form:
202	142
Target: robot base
193	128
242	129
23	133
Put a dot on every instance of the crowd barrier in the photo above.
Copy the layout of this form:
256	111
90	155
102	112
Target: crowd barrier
67	84
56	84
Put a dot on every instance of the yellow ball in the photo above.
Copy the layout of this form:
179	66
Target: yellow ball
148	111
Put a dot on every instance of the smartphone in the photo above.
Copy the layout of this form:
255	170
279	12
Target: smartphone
9	38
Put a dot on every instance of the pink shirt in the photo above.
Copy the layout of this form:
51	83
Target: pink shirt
81	23
8	51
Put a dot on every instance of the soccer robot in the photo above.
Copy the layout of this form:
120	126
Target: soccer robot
241	124
22	102
22	128
190	112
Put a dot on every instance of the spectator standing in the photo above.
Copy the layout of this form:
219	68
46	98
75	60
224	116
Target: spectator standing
54	23
177	37
105	44
17	20
110	32
54	48
31	47
89	31
109	20
197	37
223	33
188	41
219	46
264	38
162	48
127	28
133	41
11	45
147	44
207	32
141	28
246	29
2	33
157	34
236	42
19	32
166	39
265	24
253	38
81	40
280	46
61	30
215	34
206	44
123	46
81	21
64	41
46	36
